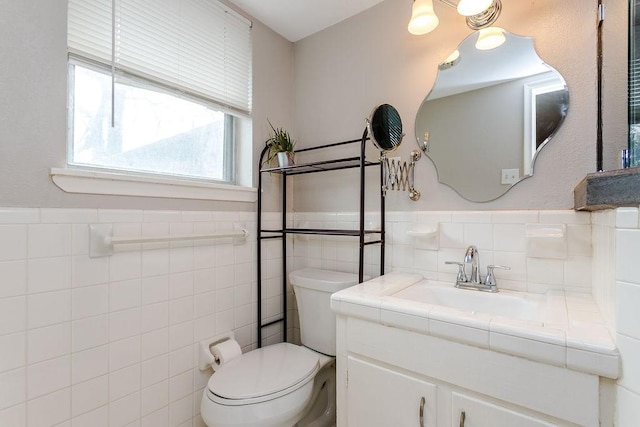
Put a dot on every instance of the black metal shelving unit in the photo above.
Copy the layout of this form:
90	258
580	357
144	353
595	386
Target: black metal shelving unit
358	162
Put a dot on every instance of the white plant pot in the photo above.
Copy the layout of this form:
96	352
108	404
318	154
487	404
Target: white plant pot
285	159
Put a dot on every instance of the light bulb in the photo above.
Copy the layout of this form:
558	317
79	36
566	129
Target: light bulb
451	60
454	55
473	7
490	38
423	18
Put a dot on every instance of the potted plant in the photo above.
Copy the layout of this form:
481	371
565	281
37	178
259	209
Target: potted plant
281	145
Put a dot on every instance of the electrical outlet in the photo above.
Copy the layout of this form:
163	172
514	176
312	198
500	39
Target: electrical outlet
510	176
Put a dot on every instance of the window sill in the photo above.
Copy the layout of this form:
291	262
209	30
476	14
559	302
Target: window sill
122	184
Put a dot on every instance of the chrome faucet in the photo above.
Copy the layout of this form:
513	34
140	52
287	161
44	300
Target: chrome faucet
469	272
472	258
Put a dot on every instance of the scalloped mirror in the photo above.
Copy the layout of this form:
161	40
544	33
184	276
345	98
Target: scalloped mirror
489	114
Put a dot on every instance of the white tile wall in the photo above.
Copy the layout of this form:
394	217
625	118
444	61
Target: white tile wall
602	259
500	237
110	341
616	239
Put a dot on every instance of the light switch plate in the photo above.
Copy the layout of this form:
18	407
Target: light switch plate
510	176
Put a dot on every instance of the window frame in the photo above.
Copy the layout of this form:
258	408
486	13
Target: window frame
229	143
90	179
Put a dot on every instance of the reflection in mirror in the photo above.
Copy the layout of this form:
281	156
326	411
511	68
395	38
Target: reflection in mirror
385	127
488	115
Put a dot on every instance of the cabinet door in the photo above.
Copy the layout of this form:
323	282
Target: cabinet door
378	396
478	413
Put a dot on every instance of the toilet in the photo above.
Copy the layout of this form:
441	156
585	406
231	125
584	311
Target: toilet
284	385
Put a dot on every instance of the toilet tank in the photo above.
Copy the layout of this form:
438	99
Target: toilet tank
313	288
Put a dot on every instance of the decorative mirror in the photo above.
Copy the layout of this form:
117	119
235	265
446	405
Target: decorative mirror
385	127
489	114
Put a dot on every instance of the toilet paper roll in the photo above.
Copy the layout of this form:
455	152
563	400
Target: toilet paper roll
225	352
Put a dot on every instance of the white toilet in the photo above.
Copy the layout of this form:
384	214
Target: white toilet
283	385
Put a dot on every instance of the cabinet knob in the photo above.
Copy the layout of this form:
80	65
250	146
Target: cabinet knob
463	416
422	402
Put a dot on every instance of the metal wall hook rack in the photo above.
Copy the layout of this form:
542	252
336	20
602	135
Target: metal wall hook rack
399	175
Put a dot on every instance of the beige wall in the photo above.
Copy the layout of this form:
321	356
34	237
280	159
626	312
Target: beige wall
614	85
344	71
33	83
340	74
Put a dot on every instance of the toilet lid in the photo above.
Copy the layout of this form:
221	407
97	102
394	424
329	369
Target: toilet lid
263	371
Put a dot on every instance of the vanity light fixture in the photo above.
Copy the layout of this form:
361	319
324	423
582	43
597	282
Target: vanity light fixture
423	18
479	14
473	7
490	38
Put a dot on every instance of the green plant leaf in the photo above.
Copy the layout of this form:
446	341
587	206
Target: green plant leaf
279	141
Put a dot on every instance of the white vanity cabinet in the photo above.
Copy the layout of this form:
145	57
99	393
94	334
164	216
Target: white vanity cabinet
378	396
472	412
383	373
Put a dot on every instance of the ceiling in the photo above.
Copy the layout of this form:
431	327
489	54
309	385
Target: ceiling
297	19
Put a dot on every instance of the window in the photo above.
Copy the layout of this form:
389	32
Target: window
634	82
157	86
154	131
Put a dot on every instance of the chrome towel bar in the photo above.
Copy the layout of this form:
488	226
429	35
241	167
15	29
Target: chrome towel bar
102	242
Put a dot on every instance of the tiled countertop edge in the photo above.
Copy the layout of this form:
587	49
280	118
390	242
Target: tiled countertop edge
583	345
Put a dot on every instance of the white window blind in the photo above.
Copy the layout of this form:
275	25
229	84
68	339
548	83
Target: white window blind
199	47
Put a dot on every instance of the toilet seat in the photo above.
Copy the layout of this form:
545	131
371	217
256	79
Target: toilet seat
263	374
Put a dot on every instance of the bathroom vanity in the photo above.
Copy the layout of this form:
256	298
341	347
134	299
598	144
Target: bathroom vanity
412	352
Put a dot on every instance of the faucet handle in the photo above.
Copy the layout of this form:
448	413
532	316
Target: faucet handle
490	280
462	277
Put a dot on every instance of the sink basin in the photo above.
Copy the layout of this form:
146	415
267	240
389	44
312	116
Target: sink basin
511	304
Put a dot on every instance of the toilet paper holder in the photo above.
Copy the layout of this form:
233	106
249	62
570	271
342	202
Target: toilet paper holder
206	357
